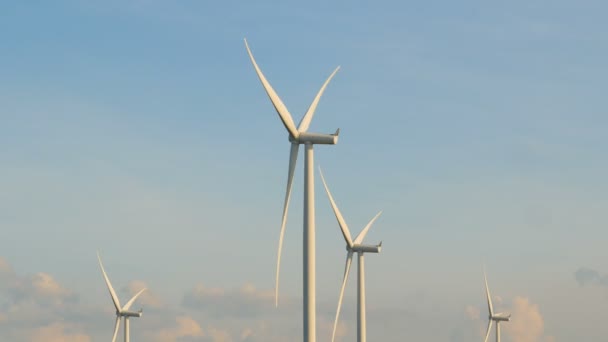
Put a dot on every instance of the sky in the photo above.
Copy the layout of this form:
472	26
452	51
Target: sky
139	129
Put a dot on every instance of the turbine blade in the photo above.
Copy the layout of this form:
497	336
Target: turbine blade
116	326
361	236
274	98
341	222
489	297
293	158
488	332
130	302
305	123
110	288
349	259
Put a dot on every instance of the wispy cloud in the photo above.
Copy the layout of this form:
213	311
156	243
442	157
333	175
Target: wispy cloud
39	308
472	312
587	276
246	301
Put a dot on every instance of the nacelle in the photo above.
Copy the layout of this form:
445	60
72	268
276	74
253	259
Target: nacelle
131	313
316	138
366	248
501	318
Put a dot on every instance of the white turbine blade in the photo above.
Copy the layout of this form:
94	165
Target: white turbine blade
349	259
488	332
305	123
361	235
116	326
274	98
110	288
293	158
341	222
489	297
130	302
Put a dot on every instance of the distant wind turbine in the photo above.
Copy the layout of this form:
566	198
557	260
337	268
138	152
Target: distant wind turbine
359	248
492	317
297	136
121	312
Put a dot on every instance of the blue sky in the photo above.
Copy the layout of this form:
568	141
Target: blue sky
139	128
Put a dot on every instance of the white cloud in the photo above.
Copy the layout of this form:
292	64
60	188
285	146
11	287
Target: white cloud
527	323
38	309
219	335
57	332
185	327
44	285
42	289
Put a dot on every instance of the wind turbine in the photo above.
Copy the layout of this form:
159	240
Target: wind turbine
297	136
121	312
492	317
358	247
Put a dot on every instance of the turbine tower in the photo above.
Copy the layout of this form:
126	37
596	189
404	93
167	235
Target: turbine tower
297	136
121	312
494	317
358	247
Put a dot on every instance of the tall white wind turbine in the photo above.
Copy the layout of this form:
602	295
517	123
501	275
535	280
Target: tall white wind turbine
493	317
297	136
358	247
121	312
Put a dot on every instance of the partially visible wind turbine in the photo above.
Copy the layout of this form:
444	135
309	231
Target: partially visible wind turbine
493	317
121	312
359	248
297	136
